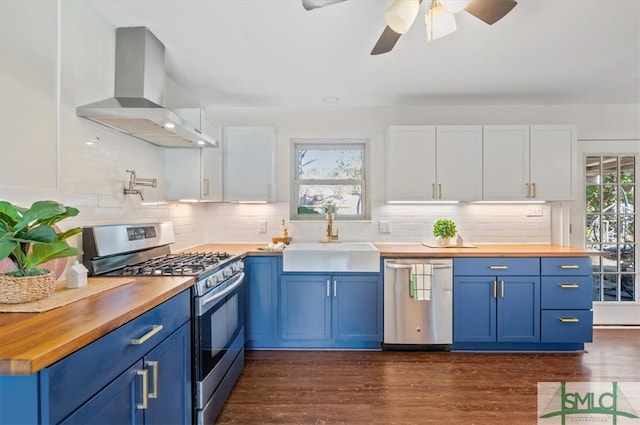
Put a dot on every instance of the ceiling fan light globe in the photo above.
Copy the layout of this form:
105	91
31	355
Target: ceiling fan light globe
440	22
454	6
401	15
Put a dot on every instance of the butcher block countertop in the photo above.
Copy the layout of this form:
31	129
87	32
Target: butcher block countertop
30	342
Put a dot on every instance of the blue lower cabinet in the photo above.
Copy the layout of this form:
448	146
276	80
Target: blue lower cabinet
496	309
140	373
331	311
262	301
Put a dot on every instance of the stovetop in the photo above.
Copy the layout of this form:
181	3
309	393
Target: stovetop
186	264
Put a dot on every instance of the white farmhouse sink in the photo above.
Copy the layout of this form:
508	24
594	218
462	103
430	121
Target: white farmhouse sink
331	257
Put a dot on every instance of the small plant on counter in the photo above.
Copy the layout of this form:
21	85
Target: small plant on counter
444	228
28	238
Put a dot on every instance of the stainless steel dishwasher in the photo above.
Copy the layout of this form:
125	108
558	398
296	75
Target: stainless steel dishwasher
418	303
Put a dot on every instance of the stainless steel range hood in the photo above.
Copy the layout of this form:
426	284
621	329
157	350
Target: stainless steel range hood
136	109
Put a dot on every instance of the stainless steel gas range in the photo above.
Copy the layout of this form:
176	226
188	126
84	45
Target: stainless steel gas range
218	299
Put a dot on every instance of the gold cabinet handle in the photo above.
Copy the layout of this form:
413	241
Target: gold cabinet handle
502	289
145	389
495	289
528	190
154	365
568	319
533	190
433	190
569	266
439	191
154	330
568	285
498	267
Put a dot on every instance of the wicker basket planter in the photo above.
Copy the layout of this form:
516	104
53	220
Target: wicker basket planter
18	290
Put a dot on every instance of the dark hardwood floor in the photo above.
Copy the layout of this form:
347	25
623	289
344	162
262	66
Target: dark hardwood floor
360	387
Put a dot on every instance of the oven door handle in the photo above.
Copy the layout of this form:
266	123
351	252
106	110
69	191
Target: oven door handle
237	281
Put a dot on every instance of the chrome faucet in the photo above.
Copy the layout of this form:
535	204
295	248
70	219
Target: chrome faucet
330	236
136	181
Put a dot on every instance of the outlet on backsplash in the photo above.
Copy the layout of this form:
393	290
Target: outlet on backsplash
384	226
262	226
534	211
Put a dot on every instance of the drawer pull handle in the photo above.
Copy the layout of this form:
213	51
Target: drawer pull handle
569	319
145	389
502	289
498	267
569	266
154	330
569	285
495	289
154	365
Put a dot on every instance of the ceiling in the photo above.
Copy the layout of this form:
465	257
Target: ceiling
275	53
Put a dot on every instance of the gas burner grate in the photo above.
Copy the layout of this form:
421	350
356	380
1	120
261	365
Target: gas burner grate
187	264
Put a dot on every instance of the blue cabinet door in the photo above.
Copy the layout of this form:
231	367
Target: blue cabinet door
262	301
306	308
518	316
170	362
474	309
357	308
117	403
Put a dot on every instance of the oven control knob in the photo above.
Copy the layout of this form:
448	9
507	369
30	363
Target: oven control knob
227	272
211	281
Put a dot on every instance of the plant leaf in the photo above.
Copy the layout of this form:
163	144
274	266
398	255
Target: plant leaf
67	234
9	213
40	210
42	253
69	212
41	234
6	247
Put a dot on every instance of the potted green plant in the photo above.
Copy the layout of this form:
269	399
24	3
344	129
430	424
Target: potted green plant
28	238
444	229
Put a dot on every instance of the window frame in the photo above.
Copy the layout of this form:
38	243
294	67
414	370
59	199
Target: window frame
330	144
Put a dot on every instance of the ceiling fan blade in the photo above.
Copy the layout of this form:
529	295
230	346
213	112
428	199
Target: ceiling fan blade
490	11
315	4
385	43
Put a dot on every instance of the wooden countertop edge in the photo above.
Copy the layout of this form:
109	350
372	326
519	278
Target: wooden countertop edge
22	351
102	313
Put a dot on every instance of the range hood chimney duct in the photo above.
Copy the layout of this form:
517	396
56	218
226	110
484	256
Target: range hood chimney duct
137	106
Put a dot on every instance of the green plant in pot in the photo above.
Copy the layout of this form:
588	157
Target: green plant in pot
444	229
28	238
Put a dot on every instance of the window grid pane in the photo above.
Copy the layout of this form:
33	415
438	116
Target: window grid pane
610	226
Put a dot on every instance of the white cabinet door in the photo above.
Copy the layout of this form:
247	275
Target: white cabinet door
459	163
249	157
212	174
182	174
505	162
553	162
410	163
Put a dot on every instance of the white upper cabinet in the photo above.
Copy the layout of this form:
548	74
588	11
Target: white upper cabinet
249	164
459	163
410	163
193	174
506	162
427	163
553	162
534	163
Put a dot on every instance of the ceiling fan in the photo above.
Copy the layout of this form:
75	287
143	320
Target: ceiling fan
440	18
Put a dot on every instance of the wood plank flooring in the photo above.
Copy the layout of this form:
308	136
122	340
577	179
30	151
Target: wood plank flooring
360	387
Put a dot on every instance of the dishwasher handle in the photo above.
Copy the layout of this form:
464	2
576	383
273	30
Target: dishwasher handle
407	266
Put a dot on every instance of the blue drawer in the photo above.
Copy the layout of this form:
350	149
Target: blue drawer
104	359
566	293
566	326
496	266
563	266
